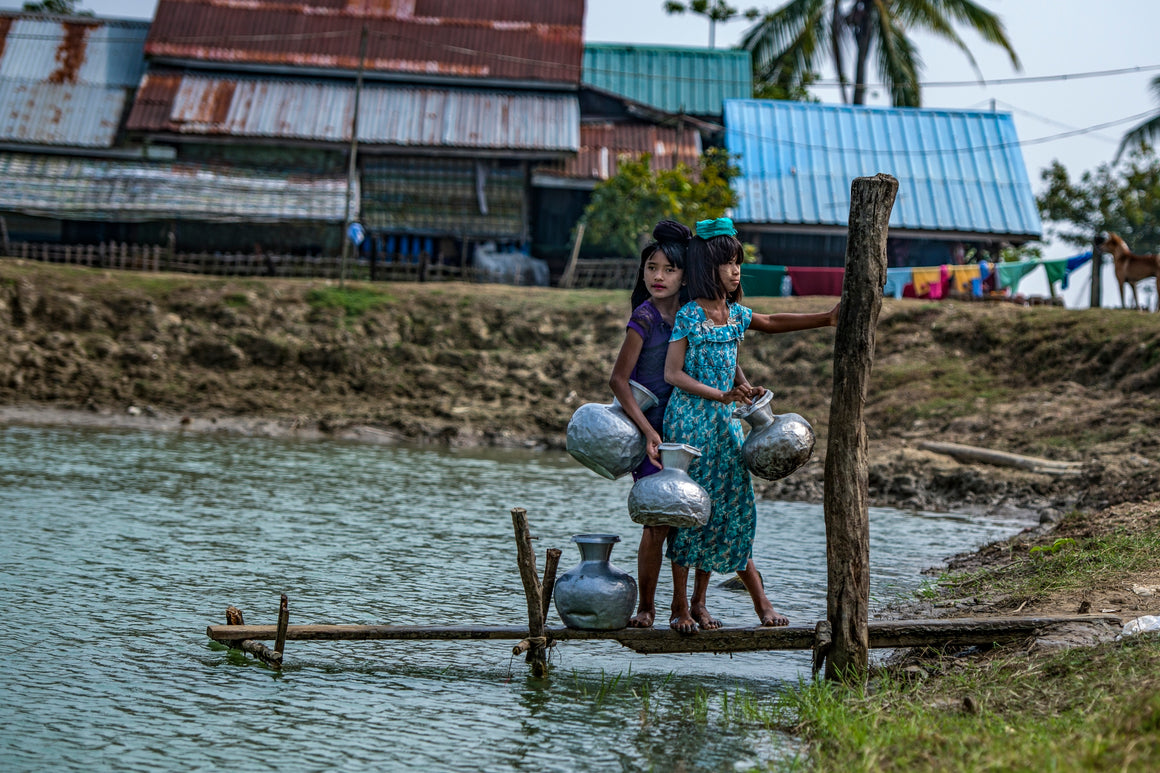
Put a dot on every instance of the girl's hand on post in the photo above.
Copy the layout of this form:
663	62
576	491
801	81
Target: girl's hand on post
834	314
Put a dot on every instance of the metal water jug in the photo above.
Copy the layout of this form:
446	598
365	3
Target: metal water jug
670	497
594	595
777	444
603	438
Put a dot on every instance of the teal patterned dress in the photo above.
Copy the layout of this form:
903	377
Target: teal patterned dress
726	541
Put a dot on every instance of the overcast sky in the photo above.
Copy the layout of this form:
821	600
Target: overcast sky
1078	120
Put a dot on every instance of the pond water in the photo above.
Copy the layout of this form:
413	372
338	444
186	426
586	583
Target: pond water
119	548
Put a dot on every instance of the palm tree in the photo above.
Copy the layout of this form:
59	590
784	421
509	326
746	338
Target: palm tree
1144	133
798	37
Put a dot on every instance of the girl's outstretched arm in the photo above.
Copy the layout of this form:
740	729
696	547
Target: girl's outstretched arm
787	323
675	374
621	370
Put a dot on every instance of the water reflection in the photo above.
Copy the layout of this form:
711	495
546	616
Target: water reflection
119	548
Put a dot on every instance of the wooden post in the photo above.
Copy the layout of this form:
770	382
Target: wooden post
551	563
533	590
283	623
568	278
1097	297
846	476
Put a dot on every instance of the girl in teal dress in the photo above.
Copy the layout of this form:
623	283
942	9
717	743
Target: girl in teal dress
700	364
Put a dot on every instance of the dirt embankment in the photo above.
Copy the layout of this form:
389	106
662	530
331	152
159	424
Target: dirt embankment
483	364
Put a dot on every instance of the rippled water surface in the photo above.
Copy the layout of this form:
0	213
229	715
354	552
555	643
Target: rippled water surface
118	549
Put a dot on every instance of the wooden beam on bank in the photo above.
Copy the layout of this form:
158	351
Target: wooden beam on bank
888	634
845	498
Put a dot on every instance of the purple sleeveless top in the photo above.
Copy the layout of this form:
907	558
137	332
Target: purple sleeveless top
650	369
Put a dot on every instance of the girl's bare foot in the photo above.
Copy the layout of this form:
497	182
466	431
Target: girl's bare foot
683	623
704	619
771	617
644	618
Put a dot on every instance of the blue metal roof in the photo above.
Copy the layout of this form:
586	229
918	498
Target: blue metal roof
958	170
66	80
694	81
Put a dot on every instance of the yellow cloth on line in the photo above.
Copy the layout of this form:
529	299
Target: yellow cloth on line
924	278
961	277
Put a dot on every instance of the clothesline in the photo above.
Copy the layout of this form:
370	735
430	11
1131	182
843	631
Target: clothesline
932	282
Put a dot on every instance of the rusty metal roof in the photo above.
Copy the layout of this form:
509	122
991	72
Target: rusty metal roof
528	41
602	145
65	80
390	115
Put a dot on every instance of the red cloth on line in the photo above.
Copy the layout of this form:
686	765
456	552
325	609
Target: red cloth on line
808	280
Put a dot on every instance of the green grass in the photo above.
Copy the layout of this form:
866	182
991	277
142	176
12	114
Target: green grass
1068	565
352	301
1084	709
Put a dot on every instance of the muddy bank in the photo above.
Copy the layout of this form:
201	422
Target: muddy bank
464	365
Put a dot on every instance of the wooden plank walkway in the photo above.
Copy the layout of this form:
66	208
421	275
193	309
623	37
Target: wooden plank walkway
883	634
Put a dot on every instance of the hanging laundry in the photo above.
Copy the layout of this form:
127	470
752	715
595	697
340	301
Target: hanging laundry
897	279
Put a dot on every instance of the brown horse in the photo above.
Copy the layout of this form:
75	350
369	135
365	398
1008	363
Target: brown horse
1130	267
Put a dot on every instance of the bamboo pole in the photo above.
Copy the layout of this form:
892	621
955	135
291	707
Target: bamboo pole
533	590
845	498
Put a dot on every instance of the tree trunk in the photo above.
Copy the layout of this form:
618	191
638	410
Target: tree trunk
846	475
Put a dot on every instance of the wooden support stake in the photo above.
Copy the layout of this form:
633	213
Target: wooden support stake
822	640
845	498
533	590
283	622
255	648
551	563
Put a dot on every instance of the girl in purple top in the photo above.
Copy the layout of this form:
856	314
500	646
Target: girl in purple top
657	296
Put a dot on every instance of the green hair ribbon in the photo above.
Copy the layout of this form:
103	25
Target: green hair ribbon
722	226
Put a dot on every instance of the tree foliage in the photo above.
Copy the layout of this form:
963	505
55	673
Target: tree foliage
713	10
623	209
1123	198
802	35
1146	132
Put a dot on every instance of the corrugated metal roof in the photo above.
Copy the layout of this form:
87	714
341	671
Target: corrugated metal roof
66	80
957	170
389	115
106	189
695	81
603	144
515	40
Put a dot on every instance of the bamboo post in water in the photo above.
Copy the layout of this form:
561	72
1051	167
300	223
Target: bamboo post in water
846	475
283	623
533	590
551	564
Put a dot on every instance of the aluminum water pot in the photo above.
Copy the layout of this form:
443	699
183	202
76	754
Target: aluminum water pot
777	444
594	595
603	438
670	497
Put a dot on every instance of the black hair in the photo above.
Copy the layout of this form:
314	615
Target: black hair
705	257
672	239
